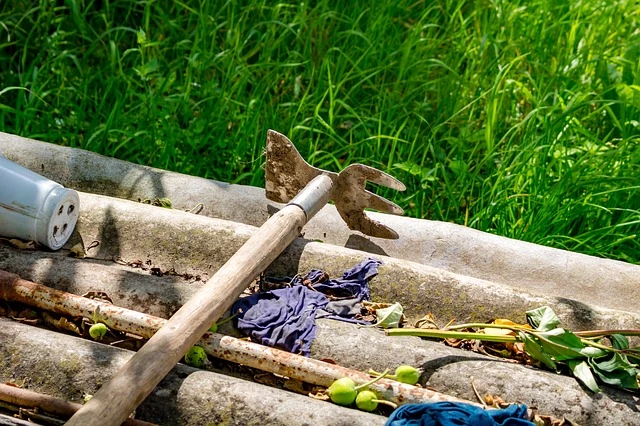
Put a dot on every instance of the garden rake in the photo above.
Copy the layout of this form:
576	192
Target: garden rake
289	179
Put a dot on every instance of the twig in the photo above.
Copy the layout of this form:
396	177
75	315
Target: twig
473	386
49	404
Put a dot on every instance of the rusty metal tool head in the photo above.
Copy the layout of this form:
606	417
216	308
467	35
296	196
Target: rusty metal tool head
287	173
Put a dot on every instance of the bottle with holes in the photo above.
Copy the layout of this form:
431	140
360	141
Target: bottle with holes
34	208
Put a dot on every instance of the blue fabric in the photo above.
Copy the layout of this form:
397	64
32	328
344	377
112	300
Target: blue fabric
285	318
457	414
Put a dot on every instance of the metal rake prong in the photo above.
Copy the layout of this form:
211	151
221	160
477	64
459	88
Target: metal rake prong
373	175
381	204
351	198
359	221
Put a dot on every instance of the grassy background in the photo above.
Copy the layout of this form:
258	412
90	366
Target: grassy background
518	118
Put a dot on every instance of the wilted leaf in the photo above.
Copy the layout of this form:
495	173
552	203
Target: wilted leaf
617	371
503	321
494	401
502	331
374	306
561	344
582	372
267	379
428	321
27	316
497	332
535	351
321	395
591	352
98	295
77	251
543	318
619	341
389	317
22	245
62	323
295	385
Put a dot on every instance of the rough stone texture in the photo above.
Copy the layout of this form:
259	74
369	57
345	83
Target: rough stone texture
449	270
447	370
190	244
524	266
453	371
69	367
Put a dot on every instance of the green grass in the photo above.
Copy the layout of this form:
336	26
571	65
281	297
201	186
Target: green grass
518	118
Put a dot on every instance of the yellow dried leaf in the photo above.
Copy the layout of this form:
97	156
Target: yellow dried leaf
502	321
62	323
78	251
374	306
22	245
498	332
321	395
502	331
428	322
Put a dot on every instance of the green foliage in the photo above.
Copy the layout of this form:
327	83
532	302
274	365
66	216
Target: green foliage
549	346
518	118
583	352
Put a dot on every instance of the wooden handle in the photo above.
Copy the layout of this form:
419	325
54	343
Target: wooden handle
116	399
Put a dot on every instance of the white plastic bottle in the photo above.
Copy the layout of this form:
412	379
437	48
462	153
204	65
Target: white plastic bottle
34	208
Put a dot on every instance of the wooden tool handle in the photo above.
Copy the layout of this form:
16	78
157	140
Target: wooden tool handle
116	399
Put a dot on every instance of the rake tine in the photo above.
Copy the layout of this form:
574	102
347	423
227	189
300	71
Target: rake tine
381	204
358	220
379	177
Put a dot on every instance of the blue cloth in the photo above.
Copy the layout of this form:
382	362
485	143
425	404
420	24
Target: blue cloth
285	318
457	414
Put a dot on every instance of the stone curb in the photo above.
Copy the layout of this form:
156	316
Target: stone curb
451	371
189	244
69	367
524	266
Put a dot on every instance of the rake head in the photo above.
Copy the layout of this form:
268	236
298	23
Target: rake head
287	173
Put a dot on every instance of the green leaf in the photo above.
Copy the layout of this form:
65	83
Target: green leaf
561	344
582	372
543	319
389	317
141	36
619	341
616	371
535	351
617	361
591	352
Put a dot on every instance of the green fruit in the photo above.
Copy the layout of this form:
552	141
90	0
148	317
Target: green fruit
407	374
343	391
214	328
98	330
367	401
196	357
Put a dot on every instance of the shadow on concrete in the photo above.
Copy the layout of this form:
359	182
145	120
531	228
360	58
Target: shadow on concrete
358	242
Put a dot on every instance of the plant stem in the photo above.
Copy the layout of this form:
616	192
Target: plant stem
444	334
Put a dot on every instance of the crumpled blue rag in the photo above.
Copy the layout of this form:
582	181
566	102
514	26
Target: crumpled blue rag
457	414
285	318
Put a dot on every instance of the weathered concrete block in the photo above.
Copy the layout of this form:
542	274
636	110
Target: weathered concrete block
524	266
70	368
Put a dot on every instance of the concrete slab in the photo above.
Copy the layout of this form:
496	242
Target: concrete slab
69	367
523	266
